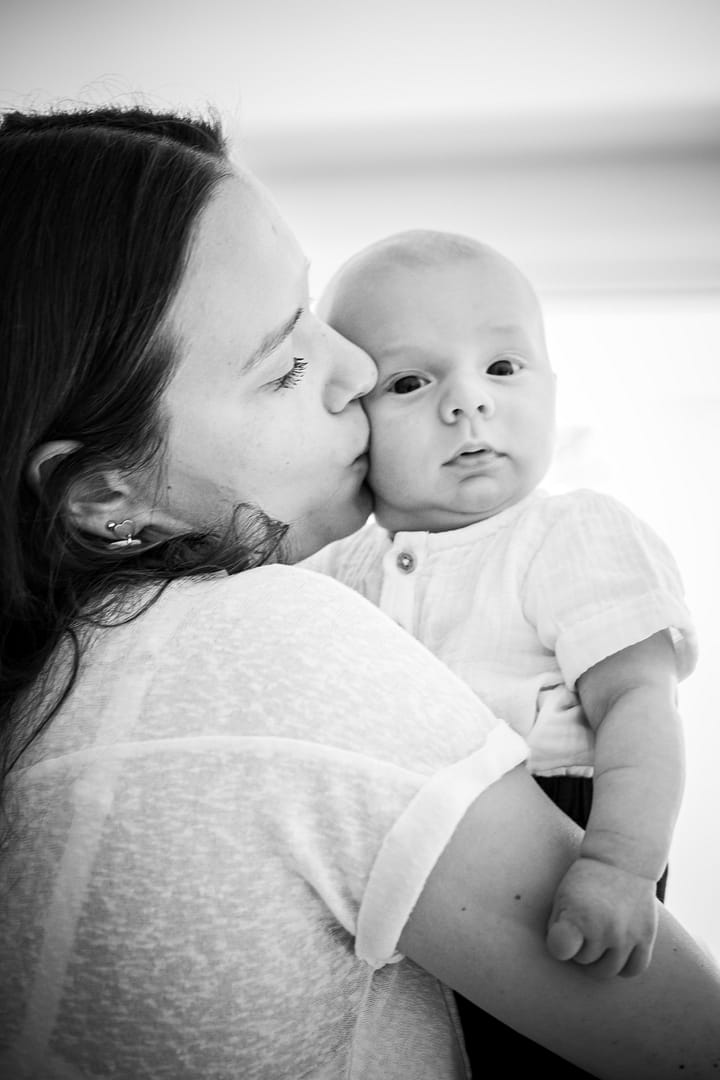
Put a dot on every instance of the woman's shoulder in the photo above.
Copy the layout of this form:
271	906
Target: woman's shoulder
259	616
287	641
273	608
275	652
262	594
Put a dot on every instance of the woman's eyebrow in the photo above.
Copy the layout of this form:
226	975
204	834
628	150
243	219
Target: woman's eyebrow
271	341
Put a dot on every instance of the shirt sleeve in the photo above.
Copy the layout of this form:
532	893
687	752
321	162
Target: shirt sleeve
603	580
417	838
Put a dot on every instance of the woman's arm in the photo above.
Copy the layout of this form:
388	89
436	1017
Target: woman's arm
479	926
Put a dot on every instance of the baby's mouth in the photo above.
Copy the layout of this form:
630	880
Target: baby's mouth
473	455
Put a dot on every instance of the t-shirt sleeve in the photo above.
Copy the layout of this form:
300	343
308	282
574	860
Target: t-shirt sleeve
603	580
362	832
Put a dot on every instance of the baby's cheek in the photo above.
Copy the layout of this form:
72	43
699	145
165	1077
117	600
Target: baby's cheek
381	432
386	439
393	471
381	470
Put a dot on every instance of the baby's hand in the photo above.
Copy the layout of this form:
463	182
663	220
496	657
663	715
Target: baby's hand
604	918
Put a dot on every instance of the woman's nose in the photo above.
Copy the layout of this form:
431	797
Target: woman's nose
353	374
467	398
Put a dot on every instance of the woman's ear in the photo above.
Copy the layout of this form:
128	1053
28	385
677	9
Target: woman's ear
96	500
96	503
92	501
45	458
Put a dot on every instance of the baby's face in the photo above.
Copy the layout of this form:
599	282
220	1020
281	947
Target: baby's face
462	417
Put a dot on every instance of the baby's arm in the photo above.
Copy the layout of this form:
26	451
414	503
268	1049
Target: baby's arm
604	913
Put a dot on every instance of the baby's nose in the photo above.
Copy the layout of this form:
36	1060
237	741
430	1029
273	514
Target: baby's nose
467	399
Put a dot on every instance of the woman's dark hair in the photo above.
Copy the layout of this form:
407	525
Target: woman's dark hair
97	210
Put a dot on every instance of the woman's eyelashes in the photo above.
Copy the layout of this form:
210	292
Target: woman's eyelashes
292	376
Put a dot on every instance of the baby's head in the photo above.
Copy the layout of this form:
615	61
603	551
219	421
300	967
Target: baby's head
463	414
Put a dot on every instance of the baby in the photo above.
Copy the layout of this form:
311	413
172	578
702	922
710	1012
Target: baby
564	613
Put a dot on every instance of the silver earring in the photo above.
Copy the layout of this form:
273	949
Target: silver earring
124	531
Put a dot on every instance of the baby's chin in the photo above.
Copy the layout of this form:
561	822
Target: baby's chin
444	518
396	519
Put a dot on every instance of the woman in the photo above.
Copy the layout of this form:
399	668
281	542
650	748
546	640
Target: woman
250	827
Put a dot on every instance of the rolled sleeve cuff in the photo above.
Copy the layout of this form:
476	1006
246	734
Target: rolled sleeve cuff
418	838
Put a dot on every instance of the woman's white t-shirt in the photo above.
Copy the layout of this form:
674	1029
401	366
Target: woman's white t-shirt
216	843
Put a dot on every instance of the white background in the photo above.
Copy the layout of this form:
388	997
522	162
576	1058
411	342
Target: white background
581	138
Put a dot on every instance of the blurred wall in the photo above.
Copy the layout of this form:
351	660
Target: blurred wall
621	201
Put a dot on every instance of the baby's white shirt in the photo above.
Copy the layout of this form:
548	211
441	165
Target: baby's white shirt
521	604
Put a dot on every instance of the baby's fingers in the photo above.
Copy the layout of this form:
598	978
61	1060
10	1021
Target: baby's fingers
566	941
563	939
613	961
637	962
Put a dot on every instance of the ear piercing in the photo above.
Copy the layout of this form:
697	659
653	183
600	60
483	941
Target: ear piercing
123	530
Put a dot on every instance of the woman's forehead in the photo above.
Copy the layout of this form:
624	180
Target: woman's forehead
240	225
242	258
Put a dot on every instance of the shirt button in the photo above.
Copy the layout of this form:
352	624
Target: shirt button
406	562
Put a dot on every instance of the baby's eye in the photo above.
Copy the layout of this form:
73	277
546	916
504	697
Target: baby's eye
407	384
505	366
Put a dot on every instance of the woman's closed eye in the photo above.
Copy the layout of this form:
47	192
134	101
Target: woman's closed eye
292	376
407	384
